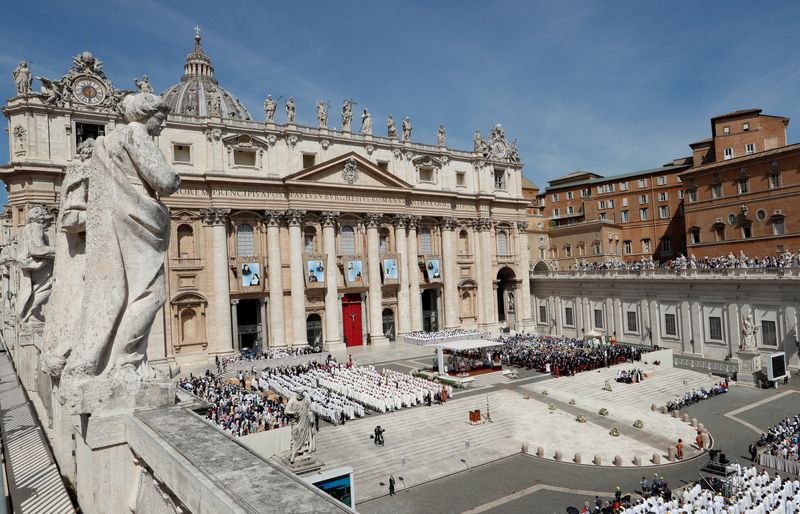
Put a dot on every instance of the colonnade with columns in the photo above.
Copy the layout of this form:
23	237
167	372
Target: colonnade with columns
466	291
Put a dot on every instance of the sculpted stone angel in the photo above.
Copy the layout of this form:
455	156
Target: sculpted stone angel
35	260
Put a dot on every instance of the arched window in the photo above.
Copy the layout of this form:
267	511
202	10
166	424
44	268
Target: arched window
425	246
185	241
384	241
245	241
348	240
188	326
309	240
463	242
502	243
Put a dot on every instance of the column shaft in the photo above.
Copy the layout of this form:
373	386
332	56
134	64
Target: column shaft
375	287
451	274
219	330
276	314
525	270
333	309
414	298
235	323
298	295
403	307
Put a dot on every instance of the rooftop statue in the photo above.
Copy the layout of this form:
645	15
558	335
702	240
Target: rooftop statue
127	234
143	85
366	122
440	136
290	110
270	106
391	128
23	78
347	114
407	129
322	113
35	260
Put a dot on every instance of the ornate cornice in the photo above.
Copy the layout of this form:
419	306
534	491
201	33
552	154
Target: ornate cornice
294	217
328	218
373	219
215	216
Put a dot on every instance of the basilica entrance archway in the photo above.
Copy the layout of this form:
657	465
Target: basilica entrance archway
250	324
388	324
314	330
351	319
506	298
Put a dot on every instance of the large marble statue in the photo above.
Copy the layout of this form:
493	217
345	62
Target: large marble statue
322	113
269	108
66	301
8	287
391	128
406	129
23	78
127	234
440	136
143	85
302	419
749	330
35	259
347	114
366	122
290	110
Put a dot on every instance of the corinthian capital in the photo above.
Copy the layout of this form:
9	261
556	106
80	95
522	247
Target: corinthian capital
294	217
522	225
273	218
400	220
214	216
328	218
413	221
373	219
482	224
448	223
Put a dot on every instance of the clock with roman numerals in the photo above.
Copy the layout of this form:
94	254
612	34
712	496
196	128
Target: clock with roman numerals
88	90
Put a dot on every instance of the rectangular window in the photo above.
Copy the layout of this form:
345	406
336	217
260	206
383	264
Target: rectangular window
633	325
627	247
716	190
646	245
542	314
611	188
556	212
623	186
383	243
569	195
244	158
601	204
584	193
728	153
726	130
666	244
680	194
642	183
661	181
84	131
570	209
769	333
602	216
774	180
695	236
383	165
461	179
610	204
569	319
643	214
568	251
692	195
747	230
625	216
598	318
663	212
642	199
778	228
425	242
426	175
309	243
554	197
745	126
181	153
715	328
670	325
663	196
749	148
625	202
744	187
500	180
308	160
596	248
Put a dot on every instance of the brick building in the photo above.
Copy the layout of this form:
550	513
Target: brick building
743	193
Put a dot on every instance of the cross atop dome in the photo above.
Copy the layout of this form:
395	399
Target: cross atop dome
197	62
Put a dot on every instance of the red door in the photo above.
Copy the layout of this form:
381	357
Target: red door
351	319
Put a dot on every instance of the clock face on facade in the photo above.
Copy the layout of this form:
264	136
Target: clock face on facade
499	150
88	91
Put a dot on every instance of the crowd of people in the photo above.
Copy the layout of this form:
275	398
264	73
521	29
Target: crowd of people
233	409
783	440
563	355
272	353
683	263
695	395
748	491
629	376
422	337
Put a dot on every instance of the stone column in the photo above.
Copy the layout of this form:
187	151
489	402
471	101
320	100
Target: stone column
486	282
294	219
413	274
333	309
373	220
451	274
235	323
219	329
525	270
275	273
403	307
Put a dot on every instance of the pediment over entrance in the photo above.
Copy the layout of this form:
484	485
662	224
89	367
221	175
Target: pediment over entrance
350	170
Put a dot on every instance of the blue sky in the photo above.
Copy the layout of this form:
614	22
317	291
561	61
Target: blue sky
607	86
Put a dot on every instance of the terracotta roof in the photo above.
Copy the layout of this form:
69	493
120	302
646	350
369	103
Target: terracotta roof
737	113
527	184
743	159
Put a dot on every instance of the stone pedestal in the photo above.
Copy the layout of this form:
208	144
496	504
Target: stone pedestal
749	368
27	359
303	464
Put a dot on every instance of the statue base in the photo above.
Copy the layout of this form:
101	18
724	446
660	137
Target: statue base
749	363
105	396
27	358
303	464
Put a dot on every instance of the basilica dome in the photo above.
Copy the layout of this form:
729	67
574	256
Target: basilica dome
199	94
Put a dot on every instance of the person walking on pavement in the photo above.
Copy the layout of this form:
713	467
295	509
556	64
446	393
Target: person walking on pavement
391	485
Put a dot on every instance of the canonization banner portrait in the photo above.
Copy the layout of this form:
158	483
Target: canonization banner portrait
433	269
391	270
354	272
251	274
315	271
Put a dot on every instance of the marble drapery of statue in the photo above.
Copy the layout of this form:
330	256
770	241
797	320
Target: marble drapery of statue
322	113
127	234
366	122
143	85
8	288
391	128
64	307
749	330
35	260
440	136
407	129
23	79
290	110
302	419
347	114
478	143
270	106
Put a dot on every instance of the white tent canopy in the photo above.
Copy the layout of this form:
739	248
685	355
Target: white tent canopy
464	344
